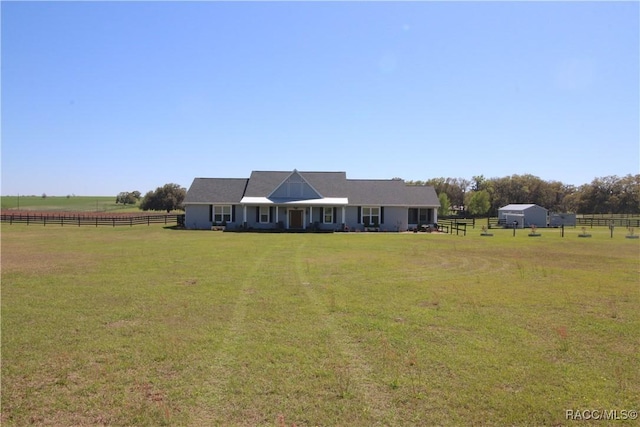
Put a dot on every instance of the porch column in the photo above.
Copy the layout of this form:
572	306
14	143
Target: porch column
344	220
310	215
435	215
244	214
277	215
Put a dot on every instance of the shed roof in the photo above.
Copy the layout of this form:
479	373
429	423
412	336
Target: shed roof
519	206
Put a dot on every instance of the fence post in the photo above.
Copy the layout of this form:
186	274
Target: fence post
114	221
148	221
130	222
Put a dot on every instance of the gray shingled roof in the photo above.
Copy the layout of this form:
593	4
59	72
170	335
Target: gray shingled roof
389	193
216	190
328	184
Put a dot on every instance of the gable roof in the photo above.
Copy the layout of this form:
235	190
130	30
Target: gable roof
333	187
301	188
519	206
216	190
328	184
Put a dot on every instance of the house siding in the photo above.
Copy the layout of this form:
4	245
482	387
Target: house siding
308	191
395	219
197	217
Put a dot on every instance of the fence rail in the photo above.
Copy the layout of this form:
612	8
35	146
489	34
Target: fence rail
609	216
604	222
457	225
94	220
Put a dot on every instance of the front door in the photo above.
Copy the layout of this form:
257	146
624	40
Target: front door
295	219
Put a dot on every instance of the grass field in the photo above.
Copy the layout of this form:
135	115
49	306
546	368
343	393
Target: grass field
152	326
72	204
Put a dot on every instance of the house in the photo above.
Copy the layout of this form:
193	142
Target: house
525	215
308	200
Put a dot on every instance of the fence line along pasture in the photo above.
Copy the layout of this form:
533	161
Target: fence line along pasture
607	221
94	220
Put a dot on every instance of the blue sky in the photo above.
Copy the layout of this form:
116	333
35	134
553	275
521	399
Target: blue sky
99	98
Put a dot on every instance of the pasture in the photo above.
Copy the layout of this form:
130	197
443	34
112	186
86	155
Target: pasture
66	204
154	326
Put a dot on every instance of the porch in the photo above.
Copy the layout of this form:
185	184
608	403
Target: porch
293	217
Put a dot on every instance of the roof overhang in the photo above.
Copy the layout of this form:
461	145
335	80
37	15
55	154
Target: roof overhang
333	201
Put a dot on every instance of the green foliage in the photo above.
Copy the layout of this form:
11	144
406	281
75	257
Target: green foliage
454	188
166	198
610	194
128	198
445	204
479	203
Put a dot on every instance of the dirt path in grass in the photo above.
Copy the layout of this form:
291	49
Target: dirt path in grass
221	369
355	373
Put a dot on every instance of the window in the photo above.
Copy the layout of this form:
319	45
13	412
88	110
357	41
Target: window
264	214
221	214
422	215
418	215
327	217
370	216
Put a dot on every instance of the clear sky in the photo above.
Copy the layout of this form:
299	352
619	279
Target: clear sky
99	98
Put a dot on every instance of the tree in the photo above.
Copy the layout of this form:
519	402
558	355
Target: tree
127	198
609	194
478	182
445	204
479	203
168	197
454	188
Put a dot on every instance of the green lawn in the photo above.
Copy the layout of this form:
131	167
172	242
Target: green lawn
153	326
73	203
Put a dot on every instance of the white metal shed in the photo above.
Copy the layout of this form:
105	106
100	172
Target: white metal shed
525	215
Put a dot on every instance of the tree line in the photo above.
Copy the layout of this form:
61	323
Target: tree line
484	196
